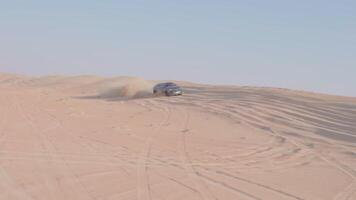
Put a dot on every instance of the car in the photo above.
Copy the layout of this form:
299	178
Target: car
168	89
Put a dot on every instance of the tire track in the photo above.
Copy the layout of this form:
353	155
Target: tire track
321	156
78	140
228	187
225	186
48	181
5	180
143	185
52	150
347	193
266	187
200	186
301	146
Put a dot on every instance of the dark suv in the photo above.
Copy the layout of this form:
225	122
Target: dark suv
168	89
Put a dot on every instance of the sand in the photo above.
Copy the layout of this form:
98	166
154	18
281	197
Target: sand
88	137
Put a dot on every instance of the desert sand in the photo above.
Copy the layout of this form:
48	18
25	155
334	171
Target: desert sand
95	138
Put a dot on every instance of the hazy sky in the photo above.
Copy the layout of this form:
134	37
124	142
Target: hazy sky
304	44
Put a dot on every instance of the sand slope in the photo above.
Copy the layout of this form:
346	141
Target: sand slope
89	137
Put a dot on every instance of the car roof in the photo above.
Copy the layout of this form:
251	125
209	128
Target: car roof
166	84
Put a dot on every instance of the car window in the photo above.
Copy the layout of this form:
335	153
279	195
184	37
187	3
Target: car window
165	85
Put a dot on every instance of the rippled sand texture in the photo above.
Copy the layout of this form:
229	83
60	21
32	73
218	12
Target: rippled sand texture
61	139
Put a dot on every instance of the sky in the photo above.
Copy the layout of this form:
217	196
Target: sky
305	45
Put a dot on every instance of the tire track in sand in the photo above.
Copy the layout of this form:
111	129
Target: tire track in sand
200	186
6	182
143	185
199	178
328	160
48	145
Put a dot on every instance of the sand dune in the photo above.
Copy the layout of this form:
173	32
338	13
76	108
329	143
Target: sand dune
88	137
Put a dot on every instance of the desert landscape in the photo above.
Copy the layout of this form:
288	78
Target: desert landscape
96	138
